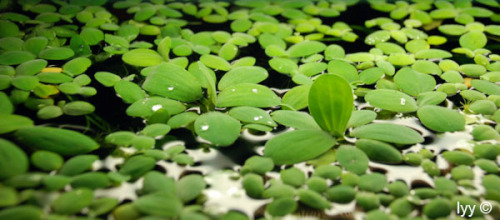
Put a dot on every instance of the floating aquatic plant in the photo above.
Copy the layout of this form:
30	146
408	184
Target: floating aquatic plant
248	109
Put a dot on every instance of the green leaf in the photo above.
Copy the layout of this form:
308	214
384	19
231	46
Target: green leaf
25	82
247	94
352	159
486	87
281	206
283	65
430	98
137	166
73	202
13	160
244	74
129	91
56	53
31	67
46	160
8	29
453	29
62	141
391	100
252	115
142	57
49	112
91	180
147	106
77	66
297	146
361	117
174	82
76	108
306	48
377	36
155	130
432	54
106	78
379	151
343	69
401	59
164	47
77	164
182	119
313	199
228	51
390	48
313	68
295	119
120	138
472	70
92	36
215	62
155	181
22	212
10	123
209	126
331	103
371	75
387	132
473	40
15	57
6	106
189	187
296	98
414	83
35	44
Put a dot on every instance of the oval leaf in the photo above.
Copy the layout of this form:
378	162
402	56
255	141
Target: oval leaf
297	146
330	103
